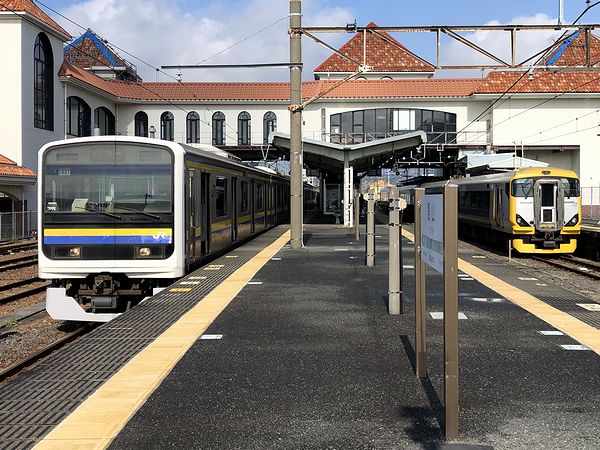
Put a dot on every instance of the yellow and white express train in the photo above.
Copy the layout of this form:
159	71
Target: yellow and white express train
539	209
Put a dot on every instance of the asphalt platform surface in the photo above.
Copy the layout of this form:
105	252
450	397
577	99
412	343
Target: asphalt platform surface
310	359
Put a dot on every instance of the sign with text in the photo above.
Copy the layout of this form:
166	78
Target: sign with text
432	231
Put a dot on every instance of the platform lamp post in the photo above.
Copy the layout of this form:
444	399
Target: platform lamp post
296	124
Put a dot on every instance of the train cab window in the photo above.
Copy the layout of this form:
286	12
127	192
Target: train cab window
259	196
244	196
221	196
570	186
522	187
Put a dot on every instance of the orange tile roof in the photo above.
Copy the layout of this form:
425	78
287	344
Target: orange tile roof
383	54
573	52
29	7
10	168
541	81
87	54
271	91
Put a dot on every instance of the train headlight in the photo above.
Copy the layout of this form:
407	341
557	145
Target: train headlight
521	222
74	252
573	221
154	252
143	252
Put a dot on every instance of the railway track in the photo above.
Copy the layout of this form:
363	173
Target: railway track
8	249
581	267
36	356
19	262
39	286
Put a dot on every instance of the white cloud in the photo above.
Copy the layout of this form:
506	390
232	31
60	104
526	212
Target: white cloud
163	33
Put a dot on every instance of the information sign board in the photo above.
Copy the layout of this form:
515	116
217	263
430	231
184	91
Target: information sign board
432	231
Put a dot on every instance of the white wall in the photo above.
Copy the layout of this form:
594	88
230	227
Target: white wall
10	88
566	120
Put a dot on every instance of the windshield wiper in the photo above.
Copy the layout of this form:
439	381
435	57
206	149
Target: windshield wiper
97	211
154	216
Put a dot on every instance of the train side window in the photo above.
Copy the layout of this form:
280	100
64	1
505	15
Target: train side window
259	196
221	196
244	196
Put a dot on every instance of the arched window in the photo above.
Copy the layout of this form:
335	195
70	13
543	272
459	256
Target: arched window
166	126
141	124
105	121
218	128
192	128
43	89
79	120
269	125
244	128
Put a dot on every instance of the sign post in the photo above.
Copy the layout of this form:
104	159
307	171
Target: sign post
436	231
370	260
420	341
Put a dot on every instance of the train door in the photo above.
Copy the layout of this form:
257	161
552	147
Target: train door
252	207
546	204
234	209
205	213
190	211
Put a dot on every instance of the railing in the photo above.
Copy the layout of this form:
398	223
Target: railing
466	137
590	202
17	225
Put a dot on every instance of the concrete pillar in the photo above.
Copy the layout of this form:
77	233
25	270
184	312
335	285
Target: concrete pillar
348	189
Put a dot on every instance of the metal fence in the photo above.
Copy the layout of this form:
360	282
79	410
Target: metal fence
17	225
590	202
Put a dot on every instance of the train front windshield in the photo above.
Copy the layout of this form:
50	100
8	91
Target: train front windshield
110	179
523	187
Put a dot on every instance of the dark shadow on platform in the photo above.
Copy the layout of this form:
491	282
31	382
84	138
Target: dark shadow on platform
427	423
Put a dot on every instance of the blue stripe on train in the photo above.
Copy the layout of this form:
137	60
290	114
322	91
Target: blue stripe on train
107	240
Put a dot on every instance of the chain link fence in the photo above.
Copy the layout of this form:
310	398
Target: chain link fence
17	225
590	202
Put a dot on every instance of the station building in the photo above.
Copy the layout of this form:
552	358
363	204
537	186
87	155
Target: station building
53	87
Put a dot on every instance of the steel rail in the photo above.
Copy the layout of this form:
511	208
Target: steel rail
33	358
568	267
22	294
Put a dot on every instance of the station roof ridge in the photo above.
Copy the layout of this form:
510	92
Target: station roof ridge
29	7
384	53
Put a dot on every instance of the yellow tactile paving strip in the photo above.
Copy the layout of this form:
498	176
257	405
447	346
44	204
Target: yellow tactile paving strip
98	420
578	330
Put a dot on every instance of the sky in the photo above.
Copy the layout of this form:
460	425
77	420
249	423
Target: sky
151	33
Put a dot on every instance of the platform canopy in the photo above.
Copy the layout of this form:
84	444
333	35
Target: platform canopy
332	157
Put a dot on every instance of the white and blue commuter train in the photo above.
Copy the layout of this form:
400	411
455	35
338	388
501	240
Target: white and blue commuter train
122	217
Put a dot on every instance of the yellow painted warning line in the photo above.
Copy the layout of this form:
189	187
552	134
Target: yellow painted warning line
98	420
575	328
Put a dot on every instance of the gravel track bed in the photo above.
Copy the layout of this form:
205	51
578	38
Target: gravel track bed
7	276
7	258
30	337
13	306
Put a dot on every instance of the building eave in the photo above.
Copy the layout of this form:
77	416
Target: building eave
29	17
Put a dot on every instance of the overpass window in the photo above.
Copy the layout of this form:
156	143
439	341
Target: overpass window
244	128
79	120
269	125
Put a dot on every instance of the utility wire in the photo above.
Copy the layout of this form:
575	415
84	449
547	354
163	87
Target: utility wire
544	52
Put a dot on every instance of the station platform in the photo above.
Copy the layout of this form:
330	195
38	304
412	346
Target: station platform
270	347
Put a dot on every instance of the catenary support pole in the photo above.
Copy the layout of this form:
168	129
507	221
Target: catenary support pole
395	254
451	311
370	260
420	342
296	124
356	215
